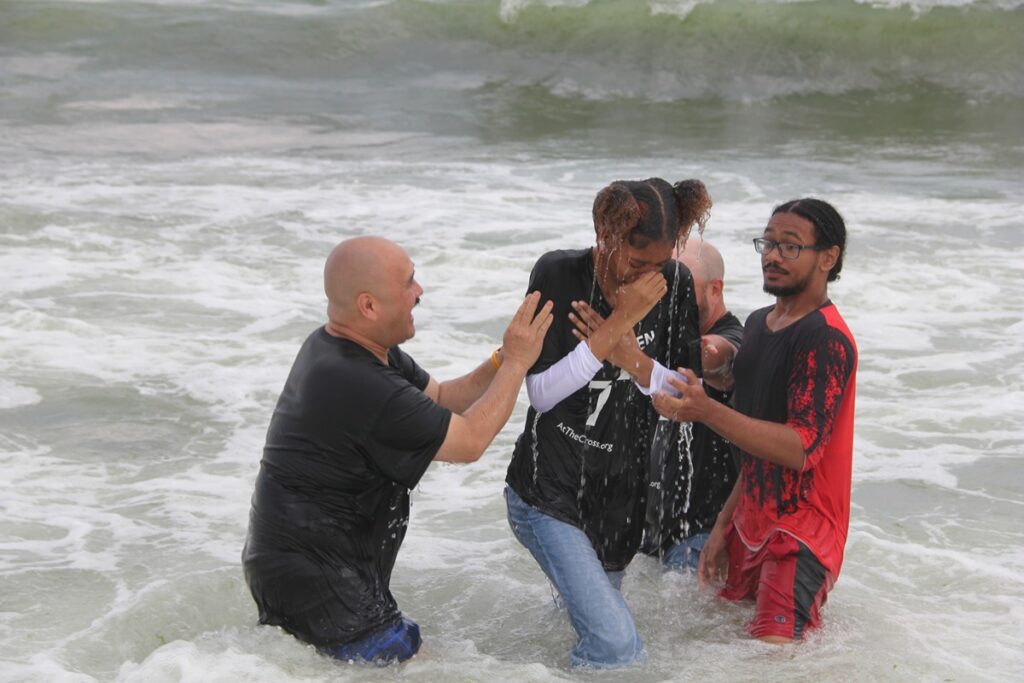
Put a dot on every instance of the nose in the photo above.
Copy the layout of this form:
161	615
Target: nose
773	255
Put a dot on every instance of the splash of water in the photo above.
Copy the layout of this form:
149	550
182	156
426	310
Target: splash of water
533	441
686	457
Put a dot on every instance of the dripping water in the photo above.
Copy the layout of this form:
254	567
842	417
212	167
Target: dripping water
533	442
657	483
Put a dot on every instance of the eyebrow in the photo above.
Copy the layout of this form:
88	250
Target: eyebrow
788	233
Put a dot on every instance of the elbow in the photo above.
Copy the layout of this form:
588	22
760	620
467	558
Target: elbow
471	451
797	461
541	406
462	456
538	403
473	455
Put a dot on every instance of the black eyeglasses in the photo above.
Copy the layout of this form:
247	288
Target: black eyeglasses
787	250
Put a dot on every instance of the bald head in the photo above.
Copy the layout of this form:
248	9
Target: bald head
358	265
703	260
708	270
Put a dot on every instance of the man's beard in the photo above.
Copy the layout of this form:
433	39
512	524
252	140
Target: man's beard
790	290
704	321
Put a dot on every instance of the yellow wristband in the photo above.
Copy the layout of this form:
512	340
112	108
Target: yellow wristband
495	361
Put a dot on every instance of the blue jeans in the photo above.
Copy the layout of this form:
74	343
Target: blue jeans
684	554
603	623
395	643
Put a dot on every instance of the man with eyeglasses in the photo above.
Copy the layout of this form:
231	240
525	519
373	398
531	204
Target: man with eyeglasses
780	536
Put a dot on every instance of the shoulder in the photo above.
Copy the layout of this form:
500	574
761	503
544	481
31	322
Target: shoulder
825	330
834	321
334	359
561	259
757	317
681	291
676	268
727	323
408	368
823	323
561	270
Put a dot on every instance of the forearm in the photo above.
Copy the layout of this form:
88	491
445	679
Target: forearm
458	394
657	379
771	441
604	339
489	413
640	366
550	387
718	354
724	518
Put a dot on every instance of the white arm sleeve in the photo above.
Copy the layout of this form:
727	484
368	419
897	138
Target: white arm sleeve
659	381
547	389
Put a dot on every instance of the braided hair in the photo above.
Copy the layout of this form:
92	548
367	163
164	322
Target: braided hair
829	228
652	210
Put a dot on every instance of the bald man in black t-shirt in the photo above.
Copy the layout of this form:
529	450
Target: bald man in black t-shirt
691	477
355	427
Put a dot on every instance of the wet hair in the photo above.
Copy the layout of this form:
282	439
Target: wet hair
645	211
829	228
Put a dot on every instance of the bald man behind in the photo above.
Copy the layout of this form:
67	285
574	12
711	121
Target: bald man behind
355	427
708	268
687	490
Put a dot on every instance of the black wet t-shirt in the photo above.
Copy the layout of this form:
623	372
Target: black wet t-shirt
692	469
348	440
585	460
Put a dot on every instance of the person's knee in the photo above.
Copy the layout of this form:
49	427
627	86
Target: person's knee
616	643
626	646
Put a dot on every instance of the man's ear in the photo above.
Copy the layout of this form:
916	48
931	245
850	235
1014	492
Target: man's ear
828	258
717	287
366	304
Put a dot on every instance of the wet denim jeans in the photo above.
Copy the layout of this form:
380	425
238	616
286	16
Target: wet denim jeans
684	554
605	627
396	643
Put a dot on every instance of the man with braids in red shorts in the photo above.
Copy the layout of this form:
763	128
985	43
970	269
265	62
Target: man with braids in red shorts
780	537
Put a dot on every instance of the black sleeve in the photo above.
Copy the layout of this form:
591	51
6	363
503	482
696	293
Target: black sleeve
729	327
685	326
407	435
410	427
409	368
544	278
821	370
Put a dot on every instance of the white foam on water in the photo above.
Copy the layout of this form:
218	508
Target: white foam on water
137	102
14	395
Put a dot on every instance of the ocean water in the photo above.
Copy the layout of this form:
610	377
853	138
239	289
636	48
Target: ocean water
175	171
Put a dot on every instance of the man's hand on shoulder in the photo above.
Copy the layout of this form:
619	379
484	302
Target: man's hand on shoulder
524	336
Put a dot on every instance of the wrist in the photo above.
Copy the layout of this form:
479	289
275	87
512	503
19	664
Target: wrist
618	324
723	370
497	357
639	366
722	522
516	365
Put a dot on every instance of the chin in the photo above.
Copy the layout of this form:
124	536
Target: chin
782	290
